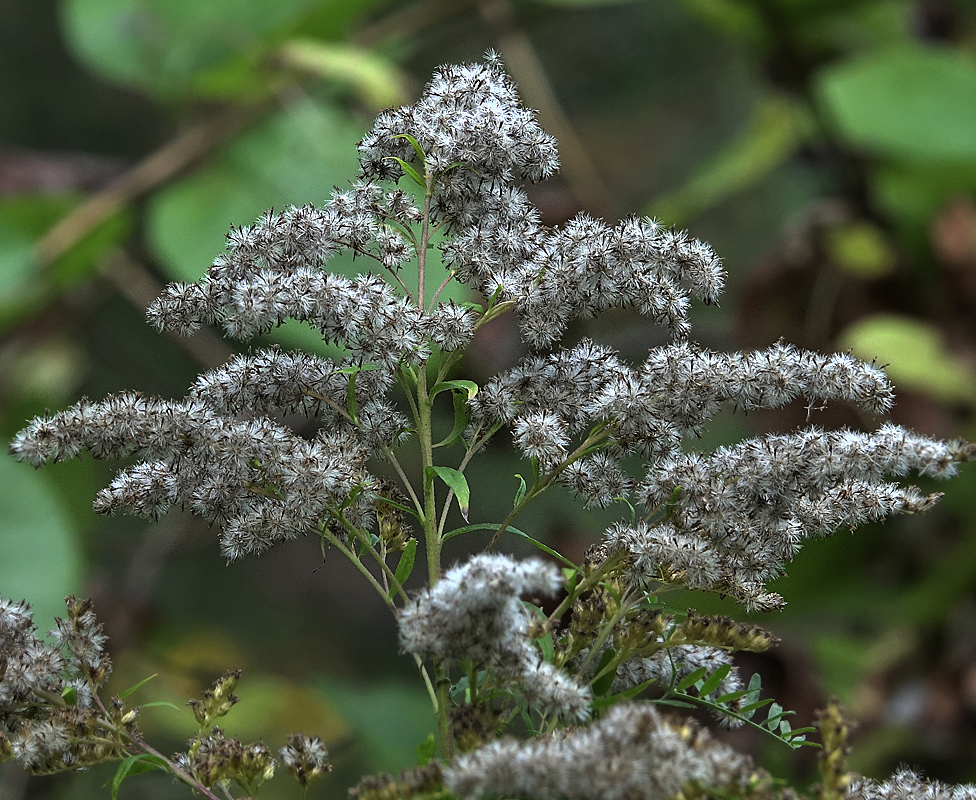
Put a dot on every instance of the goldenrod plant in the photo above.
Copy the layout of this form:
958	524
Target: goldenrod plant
547	678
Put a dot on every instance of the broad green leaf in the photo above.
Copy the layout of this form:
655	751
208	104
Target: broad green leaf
909	101
421	155
731	697
751	708
70	695
456	482
40	560
293	157
470	388
775	713
172	47
915	354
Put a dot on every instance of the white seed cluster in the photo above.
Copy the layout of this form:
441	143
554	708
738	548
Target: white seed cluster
631	753
740	513
37	729
906	785
474	613
259	479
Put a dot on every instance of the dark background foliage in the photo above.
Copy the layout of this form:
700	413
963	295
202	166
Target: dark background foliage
826	148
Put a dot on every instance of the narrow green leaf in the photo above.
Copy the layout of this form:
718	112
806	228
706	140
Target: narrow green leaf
712	682
520	494
676	703
461	418
406	562
403	507
731	697
691	679
421	155
469	387
602	685
161	703
494	526
753	707
134	765
351	398
457	483
426	750
545	642
139	685
354	369
409	170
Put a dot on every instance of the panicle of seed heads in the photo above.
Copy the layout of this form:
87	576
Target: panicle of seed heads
737	515
258	478
631	753
906	785
474	613
49	721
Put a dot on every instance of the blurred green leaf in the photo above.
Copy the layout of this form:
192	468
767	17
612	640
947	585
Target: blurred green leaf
910	102
770	138
388	717
915	354
39	557
860	249
376	79
295	156
163	45
22	221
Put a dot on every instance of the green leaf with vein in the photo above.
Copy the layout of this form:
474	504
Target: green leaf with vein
456	482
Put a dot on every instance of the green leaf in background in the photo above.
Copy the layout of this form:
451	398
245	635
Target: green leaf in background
911	102
22	221
293	157
915	355
163	45
771	137
39	556
860	249
388	718
376	79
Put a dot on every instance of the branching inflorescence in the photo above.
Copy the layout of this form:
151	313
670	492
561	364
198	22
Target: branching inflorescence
726	521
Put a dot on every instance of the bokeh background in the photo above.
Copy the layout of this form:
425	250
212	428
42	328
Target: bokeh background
827	150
